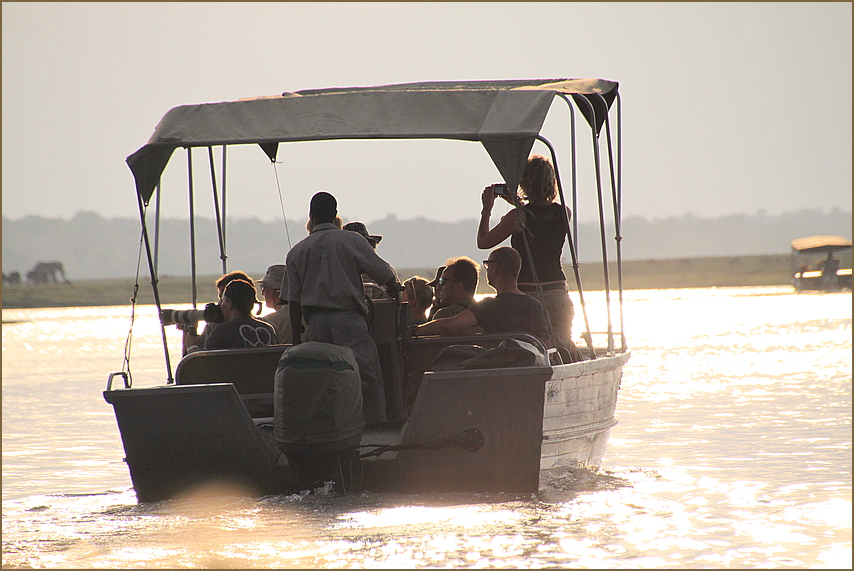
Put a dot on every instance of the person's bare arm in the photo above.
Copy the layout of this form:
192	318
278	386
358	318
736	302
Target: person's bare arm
489	238
447	325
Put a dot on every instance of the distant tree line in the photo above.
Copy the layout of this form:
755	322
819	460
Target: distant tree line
93	247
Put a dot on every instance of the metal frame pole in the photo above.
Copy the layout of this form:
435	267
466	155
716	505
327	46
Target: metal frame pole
219	232
616	197
598	171
153	274
192	225
572	251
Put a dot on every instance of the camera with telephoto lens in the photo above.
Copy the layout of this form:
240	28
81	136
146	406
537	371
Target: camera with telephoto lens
500	189
189	318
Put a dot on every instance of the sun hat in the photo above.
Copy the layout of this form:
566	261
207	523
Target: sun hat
420	290
274	277
360	228
439	272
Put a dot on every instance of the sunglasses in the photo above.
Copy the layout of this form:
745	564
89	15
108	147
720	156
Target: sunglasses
487	262
443	280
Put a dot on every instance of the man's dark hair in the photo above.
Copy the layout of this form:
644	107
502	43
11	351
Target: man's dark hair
465	271
323	208
230	277
242	295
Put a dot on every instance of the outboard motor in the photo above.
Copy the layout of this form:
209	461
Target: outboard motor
318	420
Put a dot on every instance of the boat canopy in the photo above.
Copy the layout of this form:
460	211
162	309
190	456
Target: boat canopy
504	115
820	244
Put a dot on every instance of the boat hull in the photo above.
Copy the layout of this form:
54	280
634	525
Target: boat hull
808	282
482	430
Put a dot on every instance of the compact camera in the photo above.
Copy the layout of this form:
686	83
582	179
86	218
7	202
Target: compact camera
500	189
191	317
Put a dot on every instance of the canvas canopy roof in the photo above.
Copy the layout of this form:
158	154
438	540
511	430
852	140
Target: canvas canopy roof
820	244
505	116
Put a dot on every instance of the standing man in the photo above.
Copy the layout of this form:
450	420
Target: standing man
325	287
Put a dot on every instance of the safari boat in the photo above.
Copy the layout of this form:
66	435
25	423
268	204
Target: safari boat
831	268
502	428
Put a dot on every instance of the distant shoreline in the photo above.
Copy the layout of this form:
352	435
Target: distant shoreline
727	271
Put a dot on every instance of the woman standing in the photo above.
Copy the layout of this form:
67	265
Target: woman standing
545	224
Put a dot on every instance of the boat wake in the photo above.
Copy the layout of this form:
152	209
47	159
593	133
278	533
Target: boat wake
563	483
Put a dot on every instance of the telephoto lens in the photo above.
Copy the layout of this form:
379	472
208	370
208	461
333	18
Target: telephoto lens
181	316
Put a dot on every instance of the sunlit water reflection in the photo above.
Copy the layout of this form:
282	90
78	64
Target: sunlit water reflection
733	450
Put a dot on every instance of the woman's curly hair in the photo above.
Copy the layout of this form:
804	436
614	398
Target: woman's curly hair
538	180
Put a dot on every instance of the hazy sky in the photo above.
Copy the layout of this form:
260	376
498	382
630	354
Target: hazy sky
727	108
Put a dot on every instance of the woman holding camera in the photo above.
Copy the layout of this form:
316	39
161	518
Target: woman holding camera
545	223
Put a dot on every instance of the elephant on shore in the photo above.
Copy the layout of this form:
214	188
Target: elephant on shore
45	272
12	279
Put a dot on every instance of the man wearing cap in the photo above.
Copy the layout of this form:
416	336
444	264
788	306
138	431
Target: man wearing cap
437	293
325	286
271	287
239	327
372	290
362	230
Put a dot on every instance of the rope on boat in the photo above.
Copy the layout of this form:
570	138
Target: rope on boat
281	201
126	372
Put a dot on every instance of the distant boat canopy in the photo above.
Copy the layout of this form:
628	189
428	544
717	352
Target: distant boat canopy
505	116
812	244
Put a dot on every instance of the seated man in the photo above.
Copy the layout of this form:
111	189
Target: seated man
239	328
271	288
510	311
455	291
191	340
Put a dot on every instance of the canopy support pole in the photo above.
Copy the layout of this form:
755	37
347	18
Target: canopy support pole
572	252
192	226
157	226
224	219
617	198
573	164
598	170
152	272
219	224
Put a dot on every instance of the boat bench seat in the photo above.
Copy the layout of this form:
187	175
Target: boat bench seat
424	350
252	371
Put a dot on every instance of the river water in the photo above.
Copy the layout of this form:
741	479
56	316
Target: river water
733	451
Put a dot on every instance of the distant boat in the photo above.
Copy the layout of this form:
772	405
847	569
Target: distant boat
831	271
473	429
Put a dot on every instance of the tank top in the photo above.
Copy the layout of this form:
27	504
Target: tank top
547	232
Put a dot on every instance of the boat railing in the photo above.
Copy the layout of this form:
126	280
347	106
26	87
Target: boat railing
818	273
